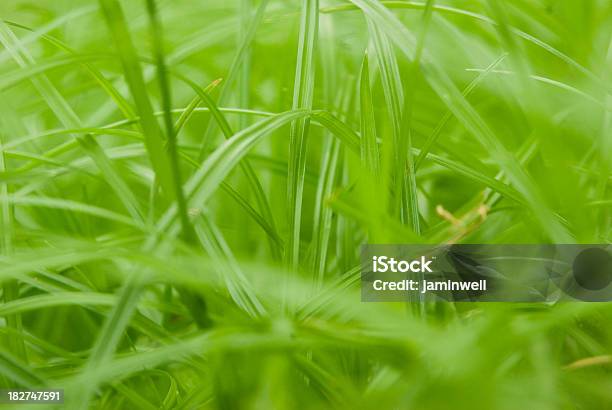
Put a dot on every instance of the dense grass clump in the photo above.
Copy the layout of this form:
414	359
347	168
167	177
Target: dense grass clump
185	186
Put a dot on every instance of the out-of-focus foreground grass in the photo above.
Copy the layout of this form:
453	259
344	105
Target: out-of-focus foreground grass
184	187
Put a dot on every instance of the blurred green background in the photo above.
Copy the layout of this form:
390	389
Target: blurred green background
185	186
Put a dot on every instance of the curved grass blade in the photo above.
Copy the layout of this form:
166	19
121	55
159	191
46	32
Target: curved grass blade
57	299
260	219
554	83
73	206
476	175
245	166
13	78
343	132
37	259
211	173
37	161
237	284
84	130
192	107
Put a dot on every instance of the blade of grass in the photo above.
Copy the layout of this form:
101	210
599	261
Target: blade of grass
166	100
237	284
154	140
239	60
13	78
216	167
323	214
338	128
242	202
260	219
56	299
554	83
246	168
245	66
303	90
448	115
475	175
37	259
410	185
73	206
393	92
369	146
192	107
10	289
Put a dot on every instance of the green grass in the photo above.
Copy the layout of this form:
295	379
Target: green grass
185	186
